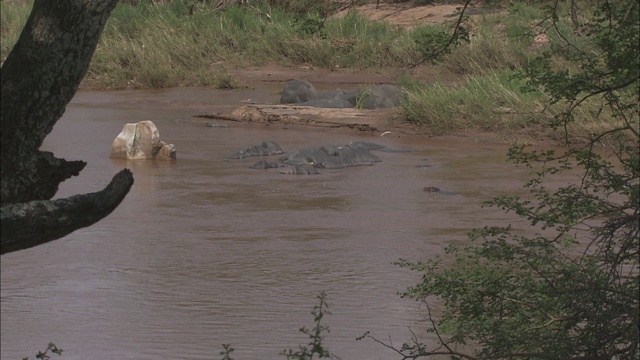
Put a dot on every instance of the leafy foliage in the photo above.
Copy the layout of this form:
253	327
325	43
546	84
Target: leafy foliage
312	24
315	347
569	286
429	38
432	41
605	65
570	290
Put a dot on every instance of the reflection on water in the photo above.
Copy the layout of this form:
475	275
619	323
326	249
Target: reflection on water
205	252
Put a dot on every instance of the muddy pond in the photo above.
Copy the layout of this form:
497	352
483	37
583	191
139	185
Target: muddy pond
205	252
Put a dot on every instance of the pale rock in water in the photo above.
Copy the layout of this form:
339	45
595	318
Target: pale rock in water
141	141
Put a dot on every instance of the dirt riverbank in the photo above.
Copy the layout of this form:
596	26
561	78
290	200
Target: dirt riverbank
386	121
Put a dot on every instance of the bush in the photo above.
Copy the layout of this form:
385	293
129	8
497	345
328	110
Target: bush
315	347
568	286
430	39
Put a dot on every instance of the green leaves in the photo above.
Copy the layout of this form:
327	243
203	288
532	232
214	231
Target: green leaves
315	347
599	59
568	286
430	39
566	291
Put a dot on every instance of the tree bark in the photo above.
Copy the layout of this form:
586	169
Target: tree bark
25	225
38	79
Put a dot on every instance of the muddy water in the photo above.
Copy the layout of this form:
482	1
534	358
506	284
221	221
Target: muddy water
205	252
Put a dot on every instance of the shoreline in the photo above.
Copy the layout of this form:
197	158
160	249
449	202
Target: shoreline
375	122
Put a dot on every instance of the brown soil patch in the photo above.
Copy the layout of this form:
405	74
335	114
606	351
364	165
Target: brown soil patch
405	15
409	16
277	73
315	75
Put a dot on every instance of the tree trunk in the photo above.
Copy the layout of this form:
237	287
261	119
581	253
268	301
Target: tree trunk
38	79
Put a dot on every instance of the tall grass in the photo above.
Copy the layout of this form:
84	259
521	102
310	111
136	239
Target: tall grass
496	102
489	98
186	42
148	45
183	42
492	102
14	16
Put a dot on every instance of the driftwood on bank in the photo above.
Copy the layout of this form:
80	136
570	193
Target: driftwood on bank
363	120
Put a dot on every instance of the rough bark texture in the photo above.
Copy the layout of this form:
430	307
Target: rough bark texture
22	224
38	79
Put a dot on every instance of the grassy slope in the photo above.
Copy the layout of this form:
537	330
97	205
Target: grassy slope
166	45
179	42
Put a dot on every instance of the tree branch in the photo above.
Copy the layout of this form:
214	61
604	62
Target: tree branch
26	225
452	38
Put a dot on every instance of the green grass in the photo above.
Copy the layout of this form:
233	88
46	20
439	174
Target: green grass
185	43
14	16
180	42
154	46
177	48
491	102
496	102
176	43
490	99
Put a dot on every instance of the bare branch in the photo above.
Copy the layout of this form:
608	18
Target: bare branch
452	38
24	225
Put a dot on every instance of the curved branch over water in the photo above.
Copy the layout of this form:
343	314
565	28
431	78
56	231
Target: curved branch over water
25	225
